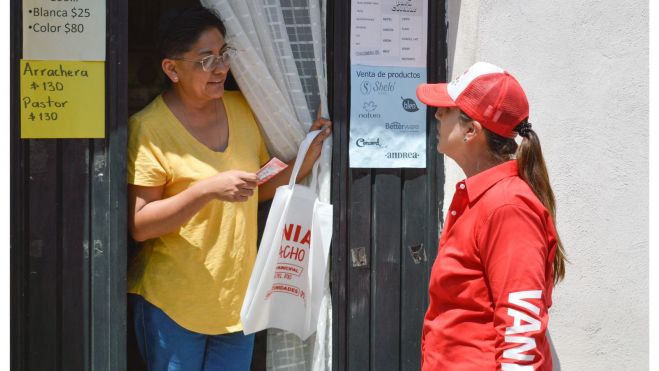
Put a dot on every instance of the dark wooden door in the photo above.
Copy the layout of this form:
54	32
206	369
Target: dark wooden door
68	232
387	223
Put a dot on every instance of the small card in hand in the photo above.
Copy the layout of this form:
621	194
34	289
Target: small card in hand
269	170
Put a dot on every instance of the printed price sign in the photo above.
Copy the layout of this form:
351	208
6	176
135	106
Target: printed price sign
64	30
62	99
389	32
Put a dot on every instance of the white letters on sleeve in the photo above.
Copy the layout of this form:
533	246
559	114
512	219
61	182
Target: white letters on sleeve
522	323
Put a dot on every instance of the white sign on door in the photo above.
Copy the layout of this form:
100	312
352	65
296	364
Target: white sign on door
71	30
389	33
388	46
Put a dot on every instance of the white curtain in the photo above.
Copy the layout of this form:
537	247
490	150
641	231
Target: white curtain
280	68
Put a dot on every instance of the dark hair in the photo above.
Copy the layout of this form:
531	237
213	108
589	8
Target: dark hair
532	168
180	28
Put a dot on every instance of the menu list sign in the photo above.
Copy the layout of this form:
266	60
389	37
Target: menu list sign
61	99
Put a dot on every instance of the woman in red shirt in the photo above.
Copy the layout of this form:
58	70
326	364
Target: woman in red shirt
499	252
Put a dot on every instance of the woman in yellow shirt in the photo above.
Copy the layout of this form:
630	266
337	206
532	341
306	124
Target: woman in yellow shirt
192	157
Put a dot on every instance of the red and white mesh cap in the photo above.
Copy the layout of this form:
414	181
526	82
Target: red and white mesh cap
486	93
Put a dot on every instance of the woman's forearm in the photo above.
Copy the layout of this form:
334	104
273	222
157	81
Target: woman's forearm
163	216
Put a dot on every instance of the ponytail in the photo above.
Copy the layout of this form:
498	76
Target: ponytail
531	167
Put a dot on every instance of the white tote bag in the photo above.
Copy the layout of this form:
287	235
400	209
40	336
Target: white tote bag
288	281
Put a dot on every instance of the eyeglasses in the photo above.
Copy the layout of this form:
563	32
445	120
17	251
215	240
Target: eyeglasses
211	62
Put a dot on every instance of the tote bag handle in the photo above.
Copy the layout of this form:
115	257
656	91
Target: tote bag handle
301	153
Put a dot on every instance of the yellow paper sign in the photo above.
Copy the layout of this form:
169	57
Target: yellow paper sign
62	99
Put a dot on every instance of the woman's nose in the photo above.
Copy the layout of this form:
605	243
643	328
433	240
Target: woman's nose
221	70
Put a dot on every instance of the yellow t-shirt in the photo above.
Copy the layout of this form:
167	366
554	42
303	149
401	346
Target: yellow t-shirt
198	275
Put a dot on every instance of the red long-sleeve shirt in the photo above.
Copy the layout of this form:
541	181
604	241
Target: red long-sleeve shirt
491	284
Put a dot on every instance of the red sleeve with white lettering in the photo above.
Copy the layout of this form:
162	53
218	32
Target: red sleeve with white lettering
514	248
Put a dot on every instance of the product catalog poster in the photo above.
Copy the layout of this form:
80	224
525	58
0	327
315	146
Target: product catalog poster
387	123
388	61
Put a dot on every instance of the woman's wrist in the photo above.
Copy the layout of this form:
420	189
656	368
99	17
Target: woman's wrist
305	169
204	191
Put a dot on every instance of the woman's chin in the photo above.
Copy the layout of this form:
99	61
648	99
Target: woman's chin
215	90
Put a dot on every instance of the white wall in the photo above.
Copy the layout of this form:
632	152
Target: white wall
584	66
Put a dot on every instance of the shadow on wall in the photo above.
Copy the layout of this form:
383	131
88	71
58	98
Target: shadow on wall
452	21
556	363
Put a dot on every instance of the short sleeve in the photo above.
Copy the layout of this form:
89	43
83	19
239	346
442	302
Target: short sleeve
514	251
144	165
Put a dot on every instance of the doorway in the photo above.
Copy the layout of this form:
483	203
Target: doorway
145	82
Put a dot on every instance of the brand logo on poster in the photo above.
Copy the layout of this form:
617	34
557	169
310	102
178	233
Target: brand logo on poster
409	105
397	126
363	142
369	107
402	155
378	87
365	87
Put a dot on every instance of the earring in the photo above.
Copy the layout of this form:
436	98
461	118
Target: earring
175	79
465	139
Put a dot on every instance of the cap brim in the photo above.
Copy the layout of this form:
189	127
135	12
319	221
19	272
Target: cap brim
434	95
